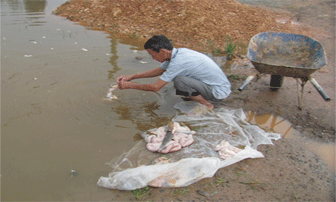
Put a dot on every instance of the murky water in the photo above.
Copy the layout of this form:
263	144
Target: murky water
54	76
270	122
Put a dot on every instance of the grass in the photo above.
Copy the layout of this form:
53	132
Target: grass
138	193
180	191
221	181
251	183
217	49
242	50
236	77
230	48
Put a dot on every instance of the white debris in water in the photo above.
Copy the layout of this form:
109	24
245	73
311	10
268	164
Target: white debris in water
143	62
83	49
109	95
52	48
107	54
27	56
43	37
75	42
34	42
35	79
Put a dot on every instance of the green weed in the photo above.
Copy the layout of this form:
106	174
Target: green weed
230	48
221	181
180	191
235	77
242	50
241	173
251	183
138	193
217	51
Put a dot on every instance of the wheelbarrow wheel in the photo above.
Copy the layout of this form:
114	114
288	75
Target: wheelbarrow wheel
276	82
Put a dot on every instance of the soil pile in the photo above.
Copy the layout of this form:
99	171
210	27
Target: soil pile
198	24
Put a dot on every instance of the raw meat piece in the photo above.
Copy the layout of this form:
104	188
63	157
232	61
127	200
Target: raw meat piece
226	150
182	138
172	146
153	146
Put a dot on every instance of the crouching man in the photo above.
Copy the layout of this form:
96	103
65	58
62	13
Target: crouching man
195	75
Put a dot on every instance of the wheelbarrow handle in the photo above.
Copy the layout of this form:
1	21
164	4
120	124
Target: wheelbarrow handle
319	89
247	81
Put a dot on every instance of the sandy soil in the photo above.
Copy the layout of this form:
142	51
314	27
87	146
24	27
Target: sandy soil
289	172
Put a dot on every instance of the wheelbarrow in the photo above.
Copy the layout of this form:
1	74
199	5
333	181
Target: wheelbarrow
286	55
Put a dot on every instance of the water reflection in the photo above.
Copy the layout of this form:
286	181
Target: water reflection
113	59
270	122
35	10
144	116
32	6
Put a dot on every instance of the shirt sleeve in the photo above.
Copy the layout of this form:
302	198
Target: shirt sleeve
164	65
171	73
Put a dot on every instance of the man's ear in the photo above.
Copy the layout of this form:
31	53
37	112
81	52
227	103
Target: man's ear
165	52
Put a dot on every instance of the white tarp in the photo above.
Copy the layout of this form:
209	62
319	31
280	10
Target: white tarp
136	169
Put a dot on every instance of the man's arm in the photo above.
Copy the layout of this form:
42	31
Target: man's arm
148	74
145	87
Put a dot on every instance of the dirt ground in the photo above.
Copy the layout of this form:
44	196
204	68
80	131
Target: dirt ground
289	172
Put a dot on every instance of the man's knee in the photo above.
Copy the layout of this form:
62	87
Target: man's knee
178	82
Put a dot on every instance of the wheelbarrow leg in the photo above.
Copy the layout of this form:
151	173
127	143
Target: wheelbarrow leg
247	81
300	91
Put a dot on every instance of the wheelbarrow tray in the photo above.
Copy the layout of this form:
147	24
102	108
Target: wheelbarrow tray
285	54
282	54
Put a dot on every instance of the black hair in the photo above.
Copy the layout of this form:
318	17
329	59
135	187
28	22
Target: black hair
158	42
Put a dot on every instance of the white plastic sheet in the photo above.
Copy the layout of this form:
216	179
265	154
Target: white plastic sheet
136	169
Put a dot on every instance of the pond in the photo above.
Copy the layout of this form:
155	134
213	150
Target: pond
54	77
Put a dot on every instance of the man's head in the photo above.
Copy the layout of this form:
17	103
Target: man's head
158	42
159	47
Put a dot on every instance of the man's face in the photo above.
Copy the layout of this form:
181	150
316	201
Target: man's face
160	56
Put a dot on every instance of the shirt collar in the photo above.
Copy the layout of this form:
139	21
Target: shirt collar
174	52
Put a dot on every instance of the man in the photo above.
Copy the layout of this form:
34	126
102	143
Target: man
194	74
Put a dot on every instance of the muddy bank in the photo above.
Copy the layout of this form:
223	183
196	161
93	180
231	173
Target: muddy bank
201	25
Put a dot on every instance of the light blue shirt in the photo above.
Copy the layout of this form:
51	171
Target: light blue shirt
189	63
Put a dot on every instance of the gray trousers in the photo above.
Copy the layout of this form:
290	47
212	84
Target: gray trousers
187	87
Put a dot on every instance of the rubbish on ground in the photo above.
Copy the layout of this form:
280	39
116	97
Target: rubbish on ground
73	173
140	167
27	56
83	49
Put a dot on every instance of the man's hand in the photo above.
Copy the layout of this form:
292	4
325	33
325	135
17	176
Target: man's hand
124	78
122	84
